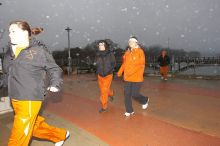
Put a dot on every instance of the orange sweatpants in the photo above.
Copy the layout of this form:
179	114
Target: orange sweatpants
28	123
105	89
164	71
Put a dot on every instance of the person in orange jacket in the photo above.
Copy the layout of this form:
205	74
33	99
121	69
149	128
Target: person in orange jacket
133	68
26	63
105	64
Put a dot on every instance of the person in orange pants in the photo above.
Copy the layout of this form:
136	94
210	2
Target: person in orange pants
28	123
105	63
26	63
164	62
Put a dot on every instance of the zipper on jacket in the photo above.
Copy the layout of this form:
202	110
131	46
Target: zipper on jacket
31	54
103	65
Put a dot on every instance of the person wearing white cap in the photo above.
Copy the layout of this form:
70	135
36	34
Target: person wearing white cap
133	68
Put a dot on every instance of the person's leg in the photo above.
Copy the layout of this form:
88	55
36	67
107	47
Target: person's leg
128	100
44	131
166	69
102	94
25	116
104	85
161	73
110	91
136	86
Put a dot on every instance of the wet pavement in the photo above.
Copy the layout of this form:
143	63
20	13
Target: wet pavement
181	112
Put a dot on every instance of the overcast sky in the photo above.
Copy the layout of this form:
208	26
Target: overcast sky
189	24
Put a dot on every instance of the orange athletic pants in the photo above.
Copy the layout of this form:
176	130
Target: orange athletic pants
28	123
105	89
164	71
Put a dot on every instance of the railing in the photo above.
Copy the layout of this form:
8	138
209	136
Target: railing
180	65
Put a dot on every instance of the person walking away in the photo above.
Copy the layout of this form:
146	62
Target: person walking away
133	66
26	63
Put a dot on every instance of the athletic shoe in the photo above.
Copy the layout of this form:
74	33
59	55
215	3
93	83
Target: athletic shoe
128	114
111	98
102	110
60	143
144	106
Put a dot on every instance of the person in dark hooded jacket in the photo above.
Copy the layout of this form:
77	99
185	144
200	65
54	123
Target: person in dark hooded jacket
105	63
164	61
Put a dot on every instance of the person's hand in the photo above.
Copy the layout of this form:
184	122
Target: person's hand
53	89
118	74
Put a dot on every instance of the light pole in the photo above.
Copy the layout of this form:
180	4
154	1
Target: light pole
69	56
77	54
1	35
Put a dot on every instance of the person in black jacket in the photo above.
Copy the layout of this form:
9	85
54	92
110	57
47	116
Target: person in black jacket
164	61
26	63
105	63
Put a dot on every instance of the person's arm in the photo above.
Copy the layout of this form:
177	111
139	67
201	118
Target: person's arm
168	60
54	72
121	69
113	62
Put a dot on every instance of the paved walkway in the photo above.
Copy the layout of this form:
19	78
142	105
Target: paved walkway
181	113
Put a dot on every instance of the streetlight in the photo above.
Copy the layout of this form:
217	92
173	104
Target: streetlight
78	61
69	56
1	34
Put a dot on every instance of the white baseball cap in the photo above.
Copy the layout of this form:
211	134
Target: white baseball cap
133	40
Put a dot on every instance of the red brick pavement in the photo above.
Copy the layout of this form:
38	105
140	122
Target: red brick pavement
138	130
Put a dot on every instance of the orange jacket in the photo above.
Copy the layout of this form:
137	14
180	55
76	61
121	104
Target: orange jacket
133	65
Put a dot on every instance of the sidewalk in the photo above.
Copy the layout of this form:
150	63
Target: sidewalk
180	113
79	137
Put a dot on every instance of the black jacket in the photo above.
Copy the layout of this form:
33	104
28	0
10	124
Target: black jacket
27	73
105	63
164	61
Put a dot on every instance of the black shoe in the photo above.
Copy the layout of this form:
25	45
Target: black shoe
111	98
102	110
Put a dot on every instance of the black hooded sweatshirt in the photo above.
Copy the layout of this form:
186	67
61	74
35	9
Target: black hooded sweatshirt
105	62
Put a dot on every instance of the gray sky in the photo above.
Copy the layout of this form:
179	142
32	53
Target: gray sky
189	24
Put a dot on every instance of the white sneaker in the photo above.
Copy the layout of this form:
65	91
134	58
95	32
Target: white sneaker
60	143
162	78
144	106
128	114
165	79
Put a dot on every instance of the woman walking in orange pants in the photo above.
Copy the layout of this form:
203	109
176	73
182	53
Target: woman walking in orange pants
164	61
105	62
26	62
